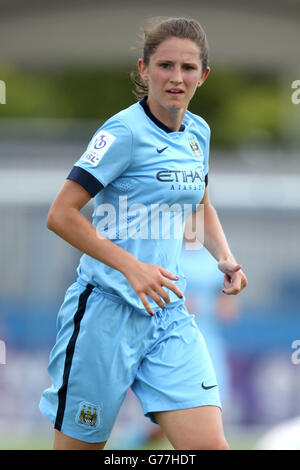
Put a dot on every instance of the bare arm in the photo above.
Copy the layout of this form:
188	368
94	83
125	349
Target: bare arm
214	237
216	243
65	220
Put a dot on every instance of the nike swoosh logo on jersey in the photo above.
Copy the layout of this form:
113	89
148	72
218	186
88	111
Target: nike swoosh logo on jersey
161	150
207	387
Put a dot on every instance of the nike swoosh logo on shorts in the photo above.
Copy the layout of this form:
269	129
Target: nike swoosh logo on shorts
161	150
207	387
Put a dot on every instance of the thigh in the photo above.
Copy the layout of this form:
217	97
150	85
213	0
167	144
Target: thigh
63	442
89	380
177	372
193	428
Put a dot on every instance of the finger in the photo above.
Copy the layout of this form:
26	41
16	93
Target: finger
163	294
173	288
244	282
146	304
227	281
168	274
237	268
157	299
230	291
234	288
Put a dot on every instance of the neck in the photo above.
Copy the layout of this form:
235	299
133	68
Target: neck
172	119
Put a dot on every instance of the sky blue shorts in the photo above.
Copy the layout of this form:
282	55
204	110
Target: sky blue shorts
104	346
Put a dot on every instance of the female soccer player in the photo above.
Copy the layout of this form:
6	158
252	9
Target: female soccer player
123	323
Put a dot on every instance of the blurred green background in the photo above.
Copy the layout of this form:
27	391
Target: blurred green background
243	106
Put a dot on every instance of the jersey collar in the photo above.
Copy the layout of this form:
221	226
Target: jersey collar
156	121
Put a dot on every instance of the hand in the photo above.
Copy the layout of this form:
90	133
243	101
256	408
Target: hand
148	280
234	280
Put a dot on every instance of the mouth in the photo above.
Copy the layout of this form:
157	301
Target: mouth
174	91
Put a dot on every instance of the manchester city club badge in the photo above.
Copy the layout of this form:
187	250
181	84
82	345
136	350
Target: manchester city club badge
88	415
195	146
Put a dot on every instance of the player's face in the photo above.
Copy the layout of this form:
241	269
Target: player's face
173	74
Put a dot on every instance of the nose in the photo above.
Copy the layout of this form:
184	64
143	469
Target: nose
176	78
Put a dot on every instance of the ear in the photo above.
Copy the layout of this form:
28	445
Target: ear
143	69
204	76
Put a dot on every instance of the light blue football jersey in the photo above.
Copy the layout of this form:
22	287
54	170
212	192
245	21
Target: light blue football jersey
146	180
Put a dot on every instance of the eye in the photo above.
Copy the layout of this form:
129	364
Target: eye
189	67
165	65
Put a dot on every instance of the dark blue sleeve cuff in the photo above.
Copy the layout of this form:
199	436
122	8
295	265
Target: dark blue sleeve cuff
86	180
206	179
